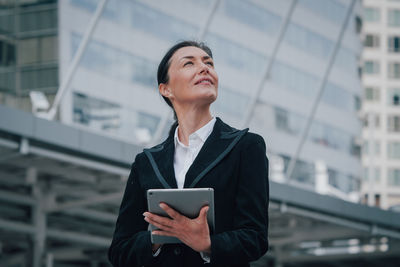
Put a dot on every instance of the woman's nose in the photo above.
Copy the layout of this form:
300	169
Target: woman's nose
204	68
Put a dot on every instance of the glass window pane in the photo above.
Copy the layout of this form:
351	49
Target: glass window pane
394	177
371	14
49	48
394	150
28	51
371	67
394	44
394	17
394	70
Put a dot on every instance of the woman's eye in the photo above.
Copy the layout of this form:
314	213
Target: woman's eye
188	63
210	63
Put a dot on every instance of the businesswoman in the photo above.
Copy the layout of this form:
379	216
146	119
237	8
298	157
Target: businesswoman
201	151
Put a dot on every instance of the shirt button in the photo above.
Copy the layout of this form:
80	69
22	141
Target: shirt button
177	251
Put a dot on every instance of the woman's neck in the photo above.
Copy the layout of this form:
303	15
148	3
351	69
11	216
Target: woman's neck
190	121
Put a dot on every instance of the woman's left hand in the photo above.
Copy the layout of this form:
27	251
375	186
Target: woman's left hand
192	232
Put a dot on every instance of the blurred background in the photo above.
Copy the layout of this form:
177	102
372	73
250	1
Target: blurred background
318	79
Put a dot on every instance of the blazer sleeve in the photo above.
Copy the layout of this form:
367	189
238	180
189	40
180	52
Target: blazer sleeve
249	239
131	244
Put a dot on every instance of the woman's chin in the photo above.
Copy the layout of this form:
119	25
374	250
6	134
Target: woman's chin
208	98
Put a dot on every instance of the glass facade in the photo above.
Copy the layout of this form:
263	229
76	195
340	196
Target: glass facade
28	51
125	66
114	89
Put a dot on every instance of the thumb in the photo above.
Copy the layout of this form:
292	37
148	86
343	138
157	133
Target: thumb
203	213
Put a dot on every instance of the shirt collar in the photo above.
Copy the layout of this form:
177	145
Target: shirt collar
201	133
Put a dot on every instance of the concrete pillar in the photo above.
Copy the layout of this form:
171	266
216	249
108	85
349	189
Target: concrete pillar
321	177
39	222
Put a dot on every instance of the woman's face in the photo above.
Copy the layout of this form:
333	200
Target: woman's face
192	78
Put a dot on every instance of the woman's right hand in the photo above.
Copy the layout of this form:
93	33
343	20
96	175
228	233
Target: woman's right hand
192	232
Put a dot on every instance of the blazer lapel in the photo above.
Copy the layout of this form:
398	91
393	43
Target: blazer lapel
220	142
161	158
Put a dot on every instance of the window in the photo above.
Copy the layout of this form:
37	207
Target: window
36	50
376	174
252	15
308	41
38	20
394	17
393	123
371	14
291	123
7	54
394	150
375	119
365	148
294	79
95	112
281	119
376	149
7	81
394	177
394	44
154	22
235	55
371	40
28	51
394	70
393	96
42	77
357	103
372	94
358	24
337	96
115	63
396	100
328	9
347	61
371	67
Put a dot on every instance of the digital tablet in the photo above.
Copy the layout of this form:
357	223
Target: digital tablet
187	201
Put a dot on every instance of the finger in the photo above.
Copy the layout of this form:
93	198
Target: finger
160	219
162	224
163	233
170	211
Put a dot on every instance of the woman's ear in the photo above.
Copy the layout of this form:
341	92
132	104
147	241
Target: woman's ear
164	90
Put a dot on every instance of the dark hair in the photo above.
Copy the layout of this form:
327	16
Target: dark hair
163	67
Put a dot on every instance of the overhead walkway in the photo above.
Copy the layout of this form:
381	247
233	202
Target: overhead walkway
61	186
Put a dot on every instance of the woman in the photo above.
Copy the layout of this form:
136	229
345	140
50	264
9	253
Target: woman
200	151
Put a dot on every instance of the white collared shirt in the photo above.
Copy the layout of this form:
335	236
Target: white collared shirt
185	155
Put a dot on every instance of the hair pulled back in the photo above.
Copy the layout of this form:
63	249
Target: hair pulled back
163	67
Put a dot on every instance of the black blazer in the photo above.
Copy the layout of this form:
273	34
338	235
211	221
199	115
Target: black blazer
231	161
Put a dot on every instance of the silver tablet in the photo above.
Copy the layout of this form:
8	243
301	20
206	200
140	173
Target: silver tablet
187	201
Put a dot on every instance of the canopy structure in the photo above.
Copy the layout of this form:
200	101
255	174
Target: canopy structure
60	190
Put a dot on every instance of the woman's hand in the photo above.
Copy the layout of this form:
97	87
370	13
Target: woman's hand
192	232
